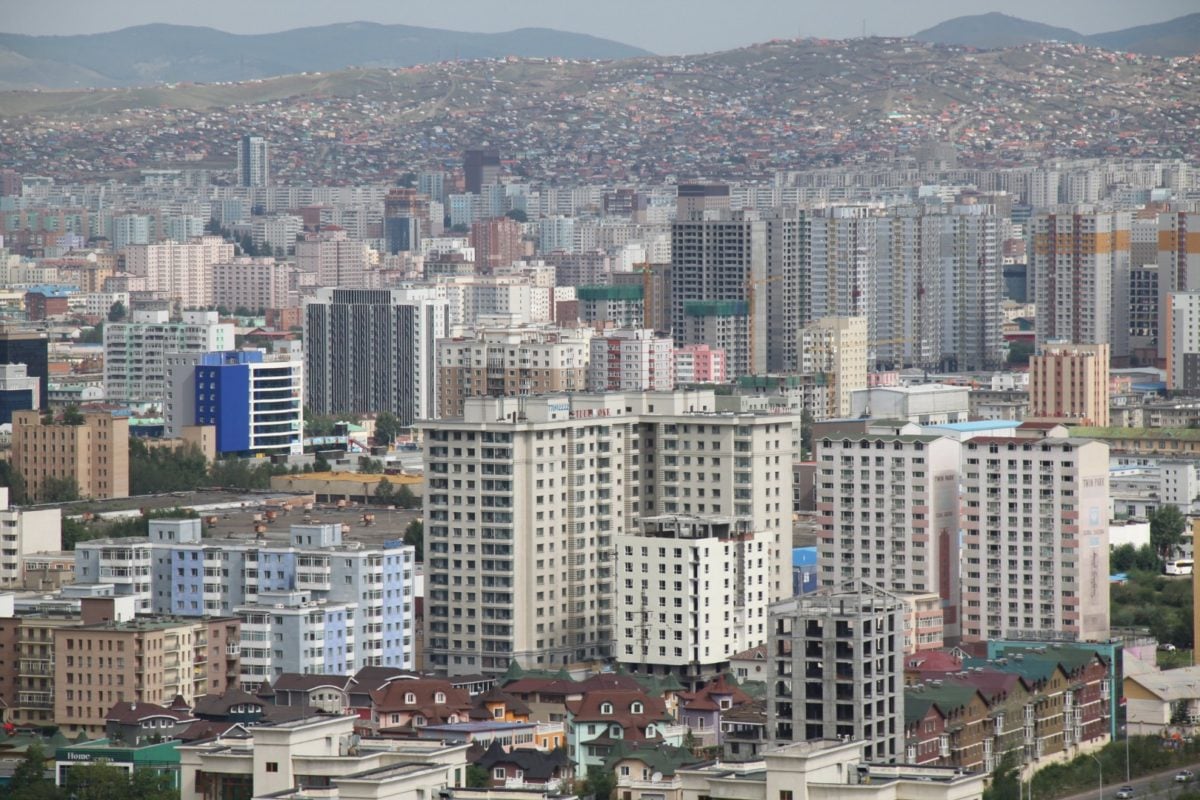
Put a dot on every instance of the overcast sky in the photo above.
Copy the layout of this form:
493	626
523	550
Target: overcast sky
663	26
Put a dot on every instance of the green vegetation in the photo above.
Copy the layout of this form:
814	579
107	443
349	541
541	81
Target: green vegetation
1174	659
517	214
75	531
59	490
600	783
477	777
387	428
1006	783
159	470
1146	756
414	534
1019	353
97	781
321	425
116	312
1157	603
400	496
1167	525
1128	558
11	477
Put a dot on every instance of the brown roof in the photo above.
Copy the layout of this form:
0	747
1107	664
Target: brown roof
708	696
392	697
218	705
589	708
127	713
758	653
298	682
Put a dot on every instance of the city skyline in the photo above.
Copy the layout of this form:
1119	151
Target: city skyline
666	29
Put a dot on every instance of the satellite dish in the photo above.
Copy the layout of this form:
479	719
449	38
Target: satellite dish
656	777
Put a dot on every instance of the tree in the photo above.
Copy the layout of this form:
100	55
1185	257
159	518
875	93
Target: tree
370	465
387	428
600	783
806	436
59	490
93	335
71	415
404	497
383	492
518	214
1006	783
11	477
159	470
1019	353
116	312
414	534
320	464
1167	524
29	780
477	777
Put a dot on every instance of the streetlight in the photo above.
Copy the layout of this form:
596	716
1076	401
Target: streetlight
1100	770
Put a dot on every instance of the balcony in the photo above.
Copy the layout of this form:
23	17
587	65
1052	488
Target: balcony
233	650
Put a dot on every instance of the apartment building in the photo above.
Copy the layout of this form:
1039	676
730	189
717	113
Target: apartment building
93	453
621	306
254	401
334	258
1035	539
1178	262
1068	383
24	532
497	243
135	352
1079	254
253	283
888	511
179	271
144	659
837	348
526	495
28	686
699	363
311	604
509	362
631	360
836	670
373	350
693	592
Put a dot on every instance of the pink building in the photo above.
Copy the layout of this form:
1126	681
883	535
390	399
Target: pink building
699	363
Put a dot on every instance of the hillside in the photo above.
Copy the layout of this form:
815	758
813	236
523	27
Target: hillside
993	31
735	114
151	54
1175	37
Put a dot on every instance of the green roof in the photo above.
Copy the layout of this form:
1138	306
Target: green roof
663	758
1185	434
947	697
629	291
716	308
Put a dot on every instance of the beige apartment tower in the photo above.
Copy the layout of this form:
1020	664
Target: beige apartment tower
94	453
1068	383
837	348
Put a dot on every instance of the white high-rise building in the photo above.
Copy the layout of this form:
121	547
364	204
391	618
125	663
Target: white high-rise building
335	259
526	498
372	350
1035	539
631	360
135	368
253	283
253	161
24	532
180	271
888	507
835	347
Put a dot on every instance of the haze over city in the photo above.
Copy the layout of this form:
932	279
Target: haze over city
661	26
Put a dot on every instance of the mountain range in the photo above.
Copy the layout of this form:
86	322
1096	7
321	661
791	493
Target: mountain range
1176	37
160	53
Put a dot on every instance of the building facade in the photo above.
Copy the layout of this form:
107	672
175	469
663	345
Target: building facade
135	352
1068	383
630	360
94	453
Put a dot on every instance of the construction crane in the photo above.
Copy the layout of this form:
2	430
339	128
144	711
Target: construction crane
750	284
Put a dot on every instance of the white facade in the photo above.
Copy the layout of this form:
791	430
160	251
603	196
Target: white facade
135	368
631	360
179	271
1035	541
699	595
253	283
554	480
1181	330
837	348
888	508
927	404
24	532
335	259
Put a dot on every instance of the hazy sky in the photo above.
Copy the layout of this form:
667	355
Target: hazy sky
664	26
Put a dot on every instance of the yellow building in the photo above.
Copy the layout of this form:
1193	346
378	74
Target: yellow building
1069	383
94	453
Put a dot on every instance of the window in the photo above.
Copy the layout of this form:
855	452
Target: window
410	698
440	697
606	708
636	708
785	794
498	773
272	766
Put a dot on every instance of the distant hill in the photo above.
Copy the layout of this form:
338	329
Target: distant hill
1176	37
994	31
159	53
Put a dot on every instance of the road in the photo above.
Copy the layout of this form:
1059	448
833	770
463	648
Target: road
1158	786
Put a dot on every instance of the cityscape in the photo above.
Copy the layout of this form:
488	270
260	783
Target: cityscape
402	413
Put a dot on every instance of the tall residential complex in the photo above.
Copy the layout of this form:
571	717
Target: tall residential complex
835	669
1035	539
526	496
371	350
693	592
253	283
505	363
631	360
1069	383
1079	254
888	509
181	271
497	244
254	402
611	306
835	347
405	220
1178	261
135	368
22	533
334	258
312	603
253	161
843	266
751	259
94	453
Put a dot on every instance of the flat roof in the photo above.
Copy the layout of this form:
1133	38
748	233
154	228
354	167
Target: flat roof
977	425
